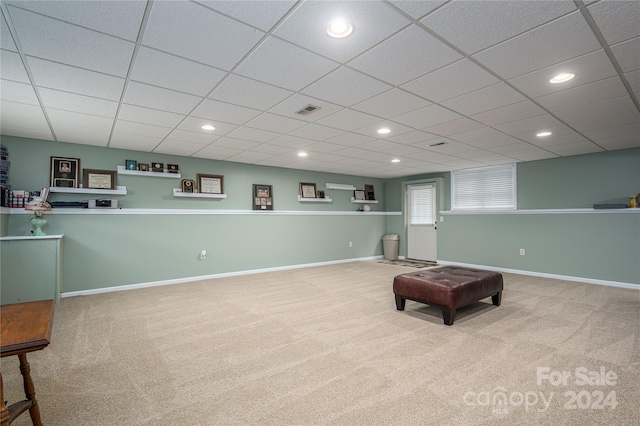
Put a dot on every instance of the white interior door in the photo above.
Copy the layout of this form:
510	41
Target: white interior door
422	226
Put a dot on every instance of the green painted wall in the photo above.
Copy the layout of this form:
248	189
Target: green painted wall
108	250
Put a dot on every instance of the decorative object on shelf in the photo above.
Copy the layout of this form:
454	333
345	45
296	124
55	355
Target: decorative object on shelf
369	194
144	167
307	190
99	179
365	208
188	185
210	184
358	194
320	193
157	167
65	172
38	206
173	168
131	164
262	197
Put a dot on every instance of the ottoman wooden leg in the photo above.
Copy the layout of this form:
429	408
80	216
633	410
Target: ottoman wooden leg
497	298
400	302
448	315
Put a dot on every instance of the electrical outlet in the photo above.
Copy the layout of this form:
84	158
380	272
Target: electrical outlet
350	243
441	218
203	254
521	252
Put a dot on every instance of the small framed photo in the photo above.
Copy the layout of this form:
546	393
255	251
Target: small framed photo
210	184
188	185
131	164
307	190
144	167
65	172
173	168
320	193
157	167
99	179
262	197
358	195
369	194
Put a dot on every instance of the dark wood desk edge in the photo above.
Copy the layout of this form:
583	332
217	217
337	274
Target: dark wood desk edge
32	346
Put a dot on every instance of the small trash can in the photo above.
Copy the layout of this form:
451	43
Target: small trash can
390	246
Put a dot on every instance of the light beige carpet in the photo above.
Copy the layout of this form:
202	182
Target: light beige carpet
325	345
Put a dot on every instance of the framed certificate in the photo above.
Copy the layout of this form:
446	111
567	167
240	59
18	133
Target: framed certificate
358	194
65	172
98	179
210	184
307	190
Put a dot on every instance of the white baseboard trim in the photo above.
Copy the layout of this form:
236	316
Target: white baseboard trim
545	275
209	277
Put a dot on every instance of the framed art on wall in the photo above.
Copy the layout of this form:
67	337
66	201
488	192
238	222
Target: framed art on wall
262	197
210	184
307	190
65	172
99	179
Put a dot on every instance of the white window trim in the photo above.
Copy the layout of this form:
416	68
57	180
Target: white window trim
456	173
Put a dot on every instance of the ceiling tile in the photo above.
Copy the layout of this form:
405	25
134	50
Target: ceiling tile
77	103
451	81
627	54
605	121
414	137
175	147
227	142
195	32
454	126
134	142
517	111
390	103
483	133
6	40
598	91
297	102
560	134
575	148
194	124
132	128
426	117
285	65
220	111
149	116
371	130
618	142
291	141
163	99
596	110
501	20
249	93
617	20
12	67
23	120
271	149
171	72
250	134
249	157
346	87
75	80
530	124
316	132
80	128
570	37
197	138
349	139
216	152
275	123
407	55
372	22
18	92
587	68
348	120
70	44
261	14
417	8
634	81
484	99
324	147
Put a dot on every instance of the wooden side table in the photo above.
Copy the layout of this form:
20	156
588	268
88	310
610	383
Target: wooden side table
26	327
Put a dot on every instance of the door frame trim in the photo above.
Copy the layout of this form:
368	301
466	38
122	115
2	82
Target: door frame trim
439	183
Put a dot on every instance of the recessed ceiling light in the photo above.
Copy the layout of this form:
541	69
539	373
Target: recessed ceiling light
395	160
339	28
302	154
384	131
208	127
561	78
543	134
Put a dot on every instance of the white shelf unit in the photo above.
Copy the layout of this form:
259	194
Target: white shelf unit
315	200
341	186
354	201
122	170
121	190
178	193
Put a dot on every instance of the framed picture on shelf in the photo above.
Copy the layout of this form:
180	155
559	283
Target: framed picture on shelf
173	168
144	167
99	179
358	194
262	197
131	164
369	194
210	184
188	185
307	190
320	193
157	167
65	172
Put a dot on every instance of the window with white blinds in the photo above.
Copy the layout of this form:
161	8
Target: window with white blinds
487	188
422	208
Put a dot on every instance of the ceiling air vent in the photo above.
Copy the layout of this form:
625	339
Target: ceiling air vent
308	109
438	144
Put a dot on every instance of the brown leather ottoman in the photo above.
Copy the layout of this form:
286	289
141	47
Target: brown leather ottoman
449	288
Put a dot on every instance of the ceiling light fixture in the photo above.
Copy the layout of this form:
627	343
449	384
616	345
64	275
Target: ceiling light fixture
384	131
302	154
561	78
395	160
208	127
339	28
543	134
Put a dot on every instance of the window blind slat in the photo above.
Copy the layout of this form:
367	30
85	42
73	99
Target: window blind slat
490	188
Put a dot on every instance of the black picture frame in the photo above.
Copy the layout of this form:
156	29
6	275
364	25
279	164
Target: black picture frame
210	184
262	197
369	193
188	185
157	167
65	172
173	168
307	190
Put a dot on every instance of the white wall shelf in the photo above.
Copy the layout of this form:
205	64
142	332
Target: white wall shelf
122	170
315	200
121	190
354	201
178	193
341	186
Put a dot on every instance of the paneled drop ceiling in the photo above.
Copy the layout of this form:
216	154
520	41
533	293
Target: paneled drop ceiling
147	75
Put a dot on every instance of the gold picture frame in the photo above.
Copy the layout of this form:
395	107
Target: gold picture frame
308	190
98	179
210	184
